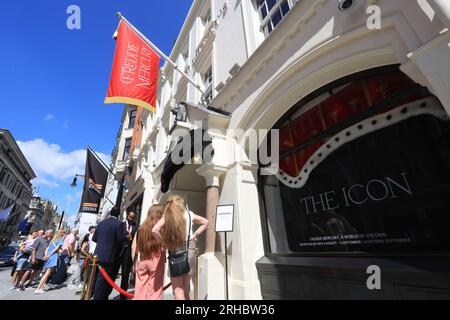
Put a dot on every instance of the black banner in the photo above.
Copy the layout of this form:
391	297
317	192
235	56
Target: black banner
94	184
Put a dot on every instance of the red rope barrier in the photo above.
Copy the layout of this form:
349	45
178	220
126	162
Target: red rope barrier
114	285
86	260
121	291
167	287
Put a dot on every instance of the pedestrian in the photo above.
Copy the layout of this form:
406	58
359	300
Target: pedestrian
37	255
109	236
67	253
76	279
23	259
127	263
174	230
92	244
51	259
16	254
91	249
149	258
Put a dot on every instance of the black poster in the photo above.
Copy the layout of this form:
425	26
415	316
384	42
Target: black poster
96	176
386	191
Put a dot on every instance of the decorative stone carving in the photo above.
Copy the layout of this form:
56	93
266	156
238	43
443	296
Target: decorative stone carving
206	43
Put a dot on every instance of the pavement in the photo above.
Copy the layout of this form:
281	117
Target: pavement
63	293
57	294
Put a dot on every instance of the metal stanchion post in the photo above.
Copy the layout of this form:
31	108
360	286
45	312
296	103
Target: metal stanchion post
91	278
197	253
86	279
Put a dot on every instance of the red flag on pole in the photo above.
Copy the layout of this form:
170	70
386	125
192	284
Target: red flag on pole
134	75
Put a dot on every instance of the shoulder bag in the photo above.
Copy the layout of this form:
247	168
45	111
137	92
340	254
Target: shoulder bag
179	261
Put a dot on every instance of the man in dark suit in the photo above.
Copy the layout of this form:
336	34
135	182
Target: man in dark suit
109	236
127	262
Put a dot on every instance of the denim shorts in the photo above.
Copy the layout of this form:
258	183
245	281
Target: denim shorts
23	263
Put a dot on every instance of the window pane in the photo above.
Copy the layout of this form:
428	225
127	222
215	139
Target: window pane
263	11
285	8
127	148
207	77
271	3
132	119
276	18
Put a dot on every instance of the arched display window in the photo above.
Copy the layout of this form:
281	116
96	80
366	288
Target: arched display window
364	167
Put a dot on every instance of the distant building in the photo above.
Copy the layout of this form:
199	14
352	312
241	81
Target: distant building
42	213
15	185
121	160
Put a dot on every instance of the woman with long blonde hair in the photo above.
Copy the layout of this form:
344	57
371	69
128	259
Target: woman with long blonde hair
174	230
51	258
149	258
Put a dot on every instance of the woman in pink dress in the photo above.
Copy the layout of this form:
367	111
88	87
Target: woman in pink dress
149	258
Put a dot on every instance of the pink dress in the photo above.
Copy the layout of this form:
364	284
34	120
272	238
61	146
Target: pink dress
150	277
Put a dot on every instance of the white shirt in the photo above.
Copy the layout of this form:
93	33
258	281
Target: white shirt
92	244
186	218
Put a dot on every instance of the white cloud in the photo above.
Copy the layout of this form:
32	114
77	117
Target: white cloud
53	165
71	221
69	198
49	117
45	182
66	124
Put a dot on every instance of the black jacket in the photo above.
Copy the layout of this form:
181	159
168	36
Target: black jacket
109	235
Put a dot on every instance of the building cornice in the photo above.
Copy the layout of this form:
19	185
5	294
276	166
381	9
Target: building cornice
18	152
184	33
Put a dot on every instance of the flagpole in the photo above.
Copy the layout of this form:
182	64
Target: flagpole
121	17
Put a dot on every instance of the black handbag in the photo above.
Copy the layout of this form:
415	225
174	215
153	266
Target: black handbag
179	261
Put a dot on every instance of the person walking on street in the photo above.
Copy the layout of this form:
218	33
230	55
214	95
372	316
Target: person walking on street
37	256
84	252
149	258
68	251
76	279
127	263
174	230
23	259
109	236
51	259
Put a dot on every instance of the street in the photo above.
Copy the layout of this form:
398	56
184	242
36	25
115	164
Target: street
56	294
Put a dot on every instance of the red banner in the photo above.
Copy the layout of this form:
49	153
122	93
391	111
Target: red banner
134	75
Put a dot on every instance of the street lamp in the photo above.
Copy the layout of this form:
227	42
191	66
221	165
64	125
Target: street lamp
74	182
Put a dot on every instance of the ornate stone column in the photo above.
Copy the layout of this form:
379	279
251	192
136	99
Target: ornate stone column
211	263
212	176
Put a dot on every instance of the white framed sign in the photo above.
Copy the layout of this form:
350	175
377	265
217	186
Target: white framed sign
87	220
224	218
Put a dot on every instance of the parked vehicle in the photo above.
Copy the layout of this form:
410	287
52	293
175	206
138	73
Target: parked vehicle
7	256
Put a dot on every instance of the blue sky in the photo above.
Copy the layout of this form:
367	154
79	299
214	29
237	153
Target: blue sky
54	81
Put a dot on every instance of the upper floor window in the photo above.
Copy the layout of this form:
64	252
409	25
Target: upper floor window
206	17
127	149
271	12
207	81
132	119
185	56
207	77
